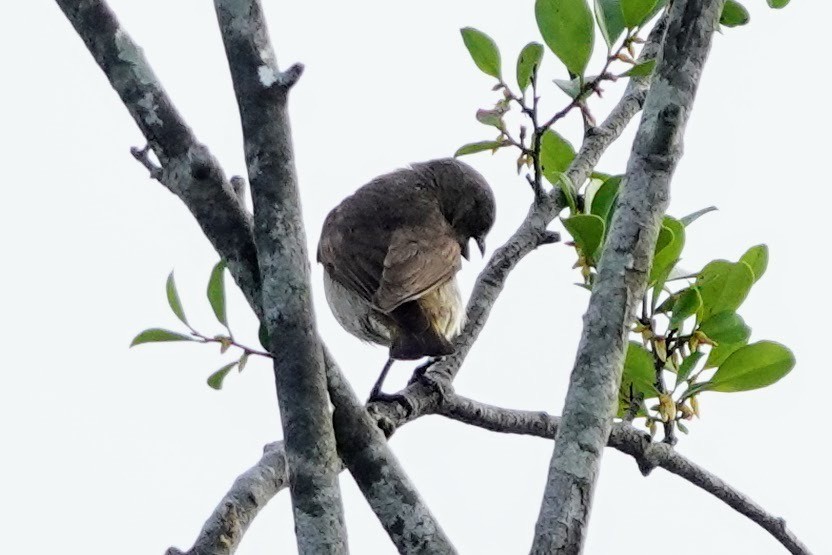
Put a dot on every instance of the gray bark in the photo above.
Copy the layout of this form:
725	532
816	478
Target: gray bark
394	499
627	439
622	279
262	91
248	494
190	171
187	168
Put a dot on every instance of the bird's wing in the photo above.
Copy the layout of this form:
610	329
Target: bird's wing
353	257
419	259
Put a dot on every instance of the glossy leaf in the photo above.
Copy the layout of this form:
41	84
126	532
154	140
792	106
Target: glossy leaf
726	327
685	306
604	199
639	371
690	218
263	336
669	254
483	50
757	258
734	14
641	70
215	380
216	292
636	12
610	20
159	335
567	188
724	286
527	63
473	148
173	299
567	29
572	87
687	366
752	367
588	232
721	352
556	153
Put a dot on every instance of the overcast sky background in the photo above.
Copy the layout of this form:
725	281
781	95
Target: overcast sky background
108	449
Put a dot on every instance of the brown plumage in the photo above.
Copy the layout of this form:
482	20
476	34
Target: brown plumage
391	252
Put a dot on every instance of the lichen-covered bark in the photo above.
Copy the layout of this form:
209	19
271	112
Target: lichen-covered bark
285	297
622	279
394	499
250	492
188	168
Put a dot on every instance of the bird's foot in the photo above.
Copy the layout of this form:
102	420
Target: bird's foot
437	382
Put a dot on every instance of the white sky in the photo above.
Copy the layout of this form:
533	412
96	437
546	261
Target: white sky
108	448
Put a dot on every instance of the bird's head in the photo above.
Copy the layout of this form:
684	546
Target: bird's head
465	197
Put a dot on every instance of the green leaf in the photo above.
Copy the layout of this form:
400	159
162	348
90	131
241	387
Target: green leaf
721	352
664	239
734	14
588	232
777	4
215	380
668	256
752	367
641	70
757	258
572	87
567	29
158	335
636	11
527	63
686	305
556	153
639	371
567	188
483	50
263	336
493	118
610	20
173	300
726	327
472	148
690	218
216	292
603	203
658	285
724	286
687	366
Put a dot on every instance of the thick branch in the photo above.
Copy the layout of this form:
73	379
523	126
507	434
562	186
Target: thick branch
286	299
627	439
622	279
188	168
395	500
250	492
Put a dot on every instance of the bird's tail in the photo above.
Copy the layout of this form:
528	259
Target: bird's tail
415	336
410	346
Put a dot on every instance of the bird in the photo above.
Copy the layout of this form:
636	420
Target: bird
390	254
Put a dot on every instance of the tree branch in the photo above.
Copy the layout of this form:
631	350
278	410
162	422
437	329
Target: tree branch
423	395
364	450
627	439
285	296
187	168
250	492
622	279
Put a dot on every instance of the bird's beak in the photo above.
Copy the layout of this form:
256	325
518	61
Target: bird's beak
481	244
466	252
